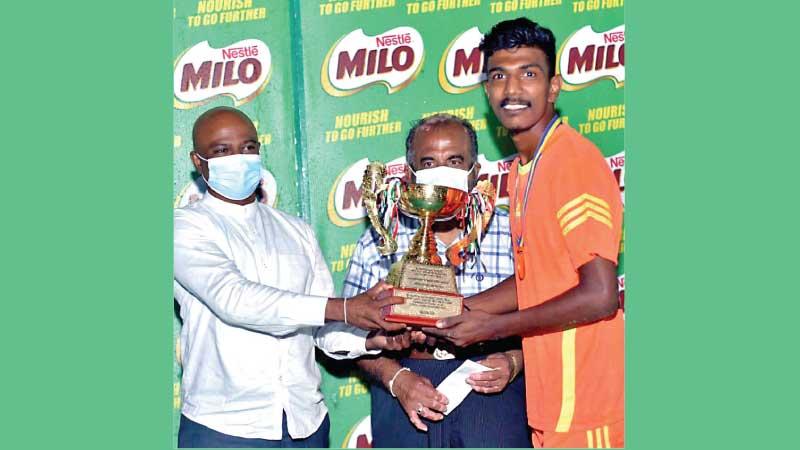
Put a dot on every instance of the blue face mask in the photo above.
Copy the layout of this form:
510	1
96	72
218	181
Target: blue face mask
235	176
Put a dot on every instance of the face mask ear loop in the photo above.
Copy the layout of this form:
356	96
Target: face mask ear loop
201	172
413	172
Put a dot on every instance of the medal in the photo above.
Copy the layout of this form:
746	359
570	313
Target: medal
520	256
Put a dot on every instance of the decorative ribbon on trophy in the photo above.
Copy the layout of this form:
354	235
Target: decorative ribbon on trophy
538	152
476	215
428	287
375	190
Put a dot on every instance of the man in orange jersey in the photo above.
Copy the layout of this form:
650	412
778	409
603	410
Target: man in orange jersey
566	223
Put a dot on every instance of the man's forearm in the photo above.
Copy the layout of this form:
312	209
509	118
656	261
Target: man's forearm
502	298
595	298
381	368
334	310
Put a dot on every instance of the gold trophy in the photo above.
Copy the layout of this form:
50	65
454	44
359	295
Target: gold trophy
428	287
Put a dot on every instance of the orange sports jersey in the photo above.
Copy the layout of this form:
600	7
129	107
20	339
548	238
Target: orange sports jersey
575	378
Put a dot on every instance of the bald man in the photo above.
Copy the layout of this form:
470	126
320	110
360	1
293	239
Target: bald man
255	298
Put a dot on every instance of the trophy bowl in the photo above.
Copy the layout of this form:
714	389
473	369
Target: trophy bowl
435	202
429	202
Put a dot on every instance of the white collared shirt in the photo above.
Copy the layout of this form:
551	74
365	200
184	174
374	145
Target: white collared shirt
252	287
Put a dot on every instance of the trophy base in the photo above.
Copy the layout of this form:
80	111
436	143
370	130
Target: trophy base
423	308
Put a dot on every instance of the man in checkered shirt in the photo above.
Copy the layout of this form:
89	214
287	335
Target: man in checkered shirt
493	415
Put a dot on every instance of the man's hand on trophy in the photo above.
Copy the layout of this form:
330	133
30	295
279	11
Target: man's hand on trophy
365	310
468	328
419	398
380	291
493	381
380	339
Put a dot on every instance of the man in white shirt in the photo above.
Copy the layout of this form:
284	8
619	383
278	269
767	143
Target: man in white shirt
255	294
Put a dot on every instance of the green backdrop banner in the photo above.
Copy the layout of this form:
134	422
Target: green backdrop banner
333	84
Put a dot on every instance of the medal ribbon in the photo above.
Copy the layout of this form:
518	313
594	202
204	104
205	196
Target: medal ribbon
540	148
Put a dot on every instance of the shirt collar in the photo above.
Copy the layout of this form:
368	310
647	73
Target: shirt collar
230	209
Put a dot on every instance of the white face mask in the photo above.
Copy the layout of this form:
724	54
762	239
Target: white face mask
234	176
444	176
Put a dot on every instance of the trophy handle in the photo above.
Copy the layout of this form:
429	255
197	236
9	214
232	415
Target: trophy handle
485	189
371	187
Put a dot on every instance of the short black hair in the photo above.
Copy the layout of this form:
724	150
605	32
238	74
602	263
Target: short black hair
438	120
519	32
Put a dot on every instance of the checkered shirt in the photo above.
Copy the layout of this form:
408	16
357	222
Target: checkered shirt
367	266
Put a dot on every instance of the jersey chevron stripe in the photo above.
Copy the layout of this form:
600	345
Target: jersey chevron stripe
575	201
588	205
583	218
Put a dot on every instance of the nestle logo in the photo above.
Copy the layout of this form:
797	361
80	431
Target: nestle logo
239	52
239	71
395	169
587	56
616	36
392	58
393	39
